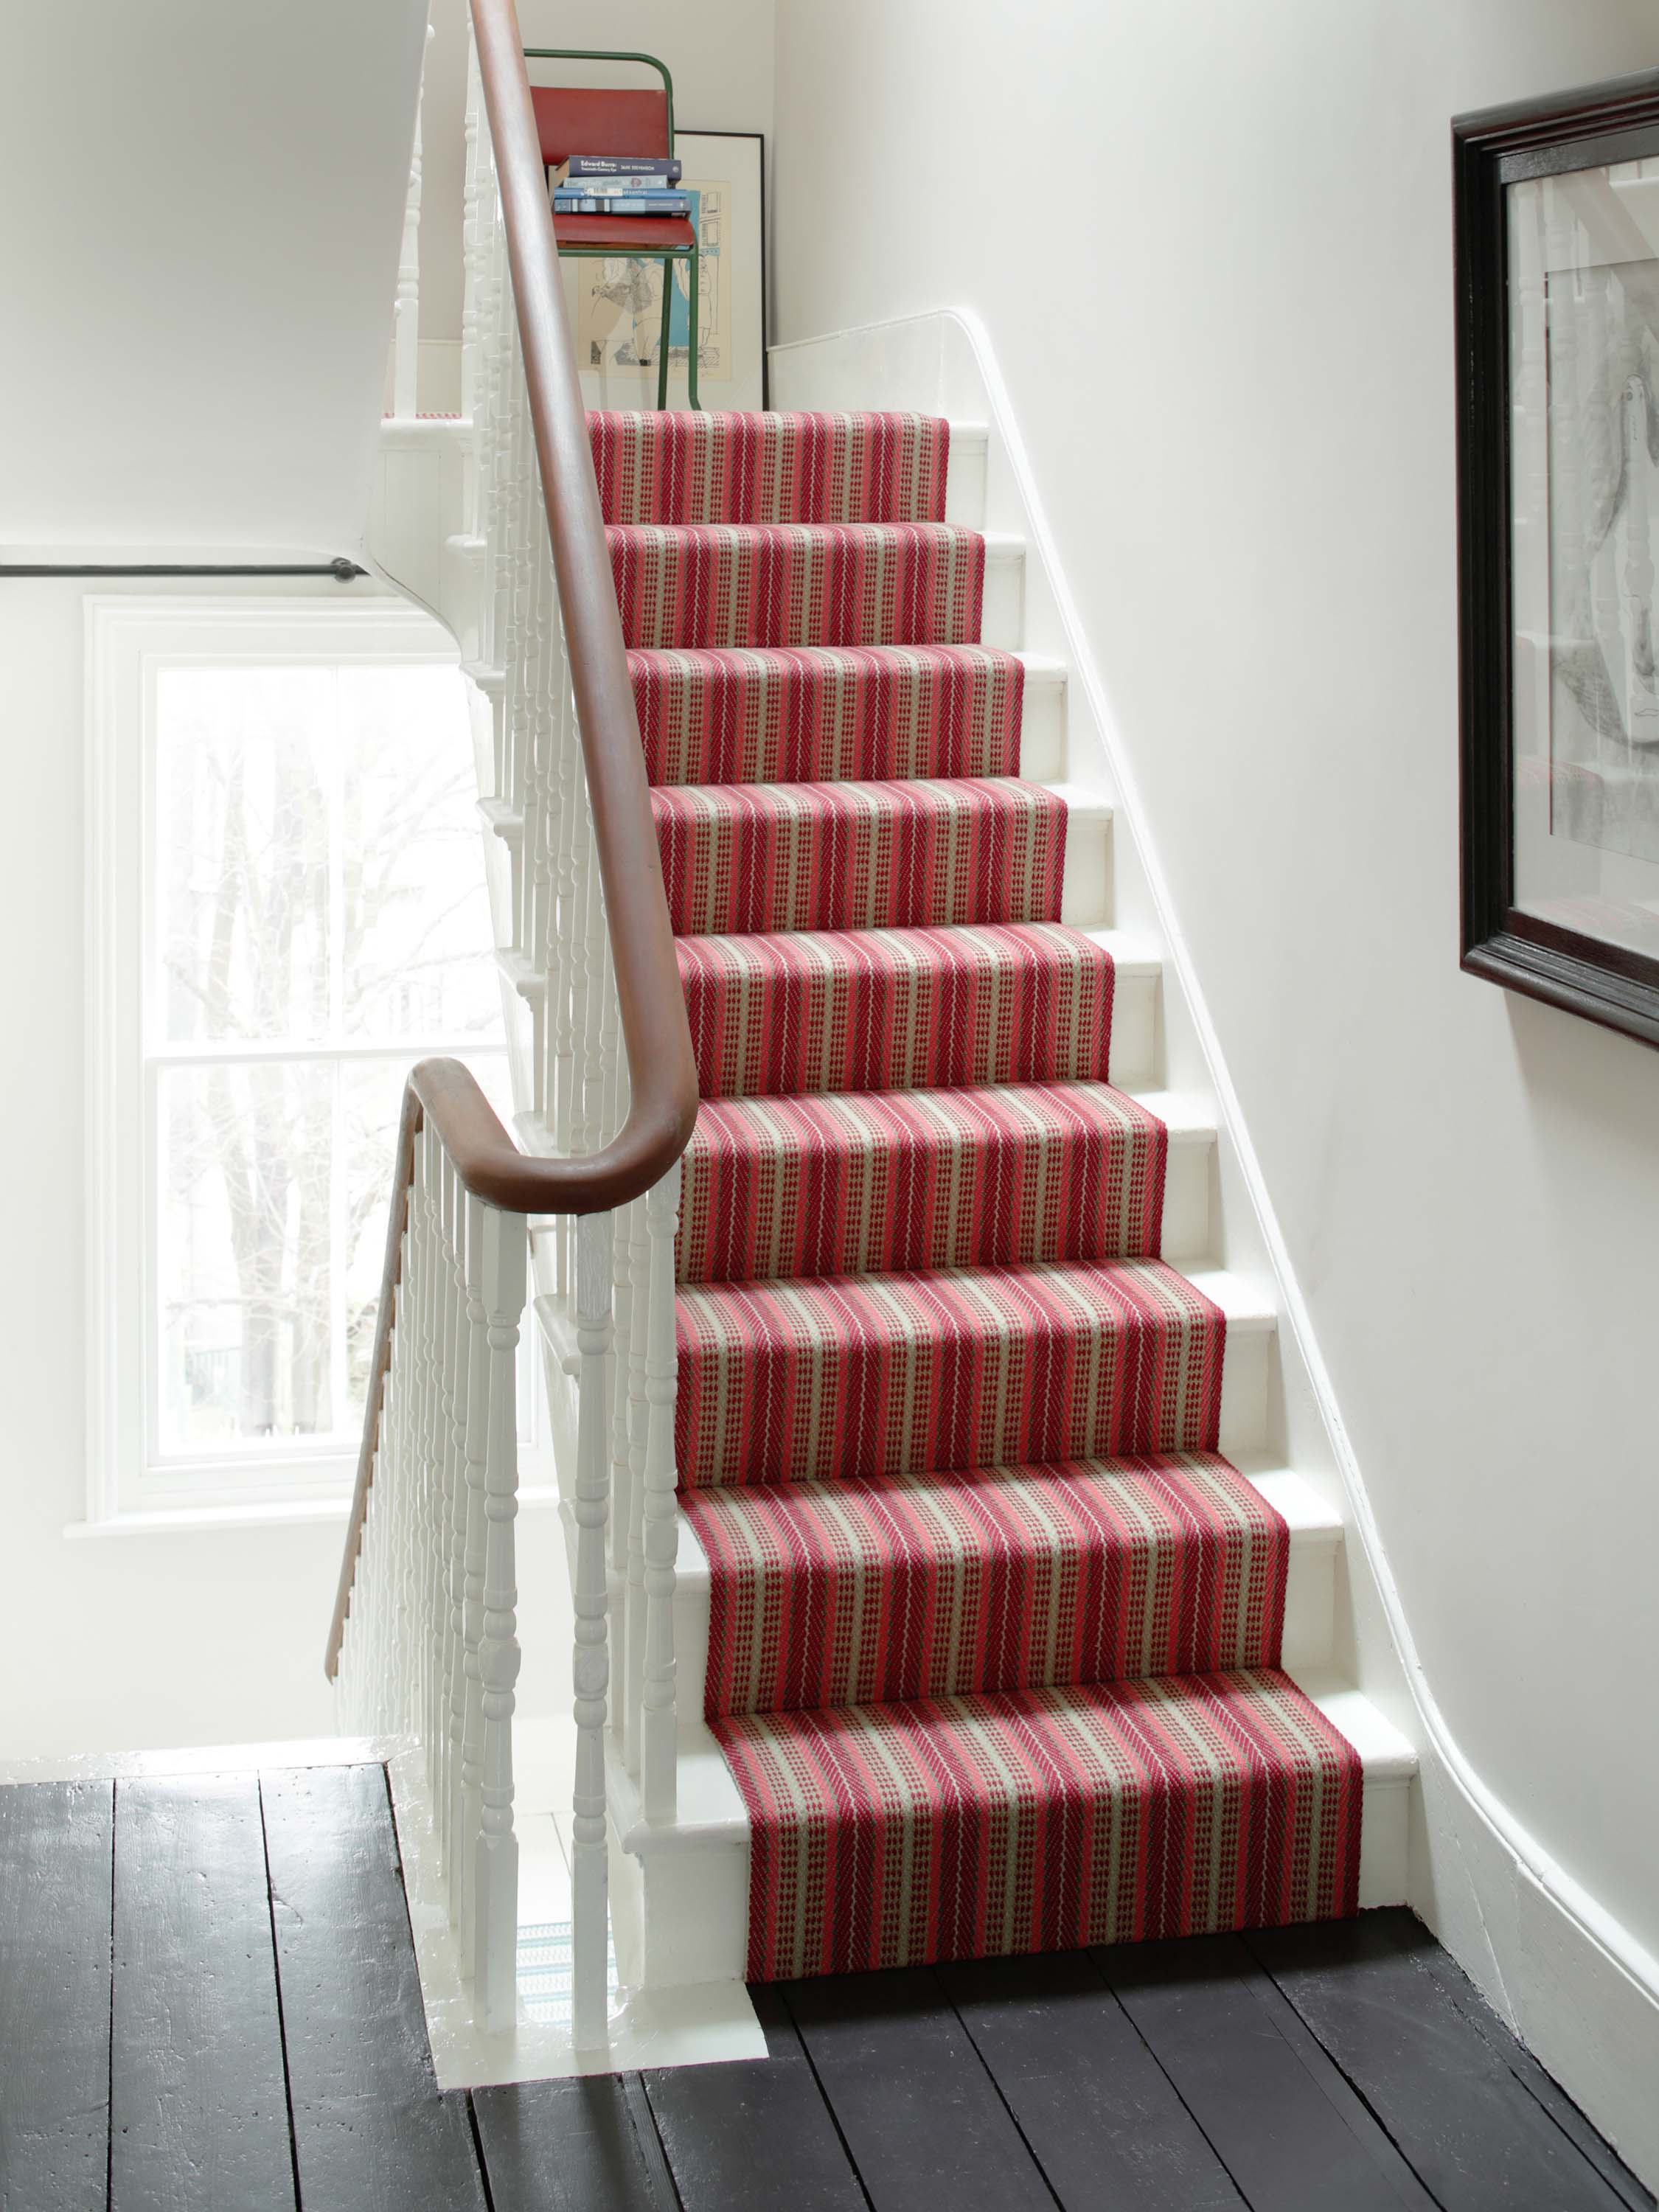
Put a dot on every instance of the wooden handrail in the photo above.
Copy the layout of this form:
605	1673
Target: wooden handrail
662	1071
656	1036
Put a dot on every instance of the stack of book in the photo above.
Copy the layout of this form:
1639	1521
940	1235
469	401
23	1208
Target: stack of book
617	184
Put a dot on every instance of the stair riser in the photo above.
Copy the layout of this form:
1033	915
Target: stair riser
713	588
1002	617
925	855
1187	1167
1309	1599
1086	897
965	482
1042	747
678	467
794	1013
838	1185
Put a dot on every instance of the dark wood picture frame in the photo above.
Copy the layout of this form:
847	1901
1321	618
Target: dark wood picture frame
1491	150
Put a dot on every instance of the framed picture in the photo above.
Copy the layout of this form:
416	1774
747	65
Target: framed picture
1557	236
616	306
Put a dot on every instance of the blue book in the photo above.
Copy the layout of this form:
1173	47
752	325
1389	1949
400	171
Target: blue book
665	204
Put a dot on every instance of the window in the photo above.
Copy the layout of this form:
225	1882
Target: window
289	909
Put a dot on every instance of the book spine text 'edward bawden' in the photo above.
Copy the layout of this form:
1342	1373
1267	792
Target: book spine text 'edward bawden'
663	169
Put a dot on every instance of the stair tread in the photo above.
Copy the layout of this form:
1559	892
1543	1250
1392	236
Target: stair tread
793	1380
902	1586
892	1834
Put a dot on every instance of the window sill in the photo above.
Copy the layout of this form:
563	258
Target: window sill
271	1513
172	1521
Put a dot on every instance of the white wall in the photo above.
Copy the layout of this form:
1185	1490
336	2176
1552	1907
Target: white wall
200	210
1226	331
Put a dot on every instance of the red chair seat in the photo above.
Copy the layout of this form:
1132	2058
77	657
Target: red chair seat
623	233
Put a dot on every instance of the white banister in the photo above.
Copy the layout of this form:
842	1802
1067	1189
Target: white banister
428	1647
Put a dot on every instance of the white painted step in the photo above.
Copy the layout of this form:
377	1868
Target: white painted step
1390	1760
680	1889
1252	1311
965	478
1135	1058
1042	748
1003	619
1086	887
1188	1172
1310	1594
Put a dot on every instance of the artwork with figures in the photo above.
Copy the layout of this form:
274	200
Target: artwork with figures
615	300
1603	439
619	301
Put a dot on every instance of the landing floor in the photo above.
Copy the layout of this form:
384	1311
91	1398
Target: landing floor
207	1999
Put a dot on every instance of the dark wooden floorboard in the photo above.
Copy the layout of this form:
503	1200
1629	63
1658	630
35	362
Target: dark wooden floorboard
1479	2140
1283	2120
234	1929
921	2115
197	2104
371	2133
751	2137
1097	2108
571	2146
55	1857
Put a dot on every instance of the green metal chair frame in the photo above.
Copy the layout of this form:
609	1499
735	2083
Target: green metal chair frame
666	255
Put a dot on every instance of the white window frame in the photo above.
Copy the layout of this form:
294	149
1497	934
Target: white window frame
128	642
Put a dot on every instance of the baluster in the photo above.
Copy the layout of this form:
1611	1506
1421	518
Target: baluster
496	1907
622	1472
465	1689
470	228
589	1667
639	1435
406	325
659	1720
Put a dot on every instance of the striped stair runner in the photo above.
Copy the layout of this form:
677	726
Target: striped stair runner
995	1631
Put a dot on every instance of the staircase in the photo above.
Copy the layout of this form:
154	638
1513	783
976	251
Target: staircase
1005	1632
941	1585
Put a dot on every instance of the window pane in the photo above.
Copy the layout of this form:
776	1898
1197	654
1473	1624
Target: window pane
275	1179
247	1327
415	932
244	762
374	1102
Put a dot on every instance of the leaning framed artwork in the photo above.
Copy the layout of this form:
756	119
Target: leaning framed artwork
1557	235
616	304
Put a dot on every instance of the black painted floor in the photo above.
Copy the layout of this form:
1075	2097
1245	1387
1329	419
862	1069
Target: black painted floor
207	1999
